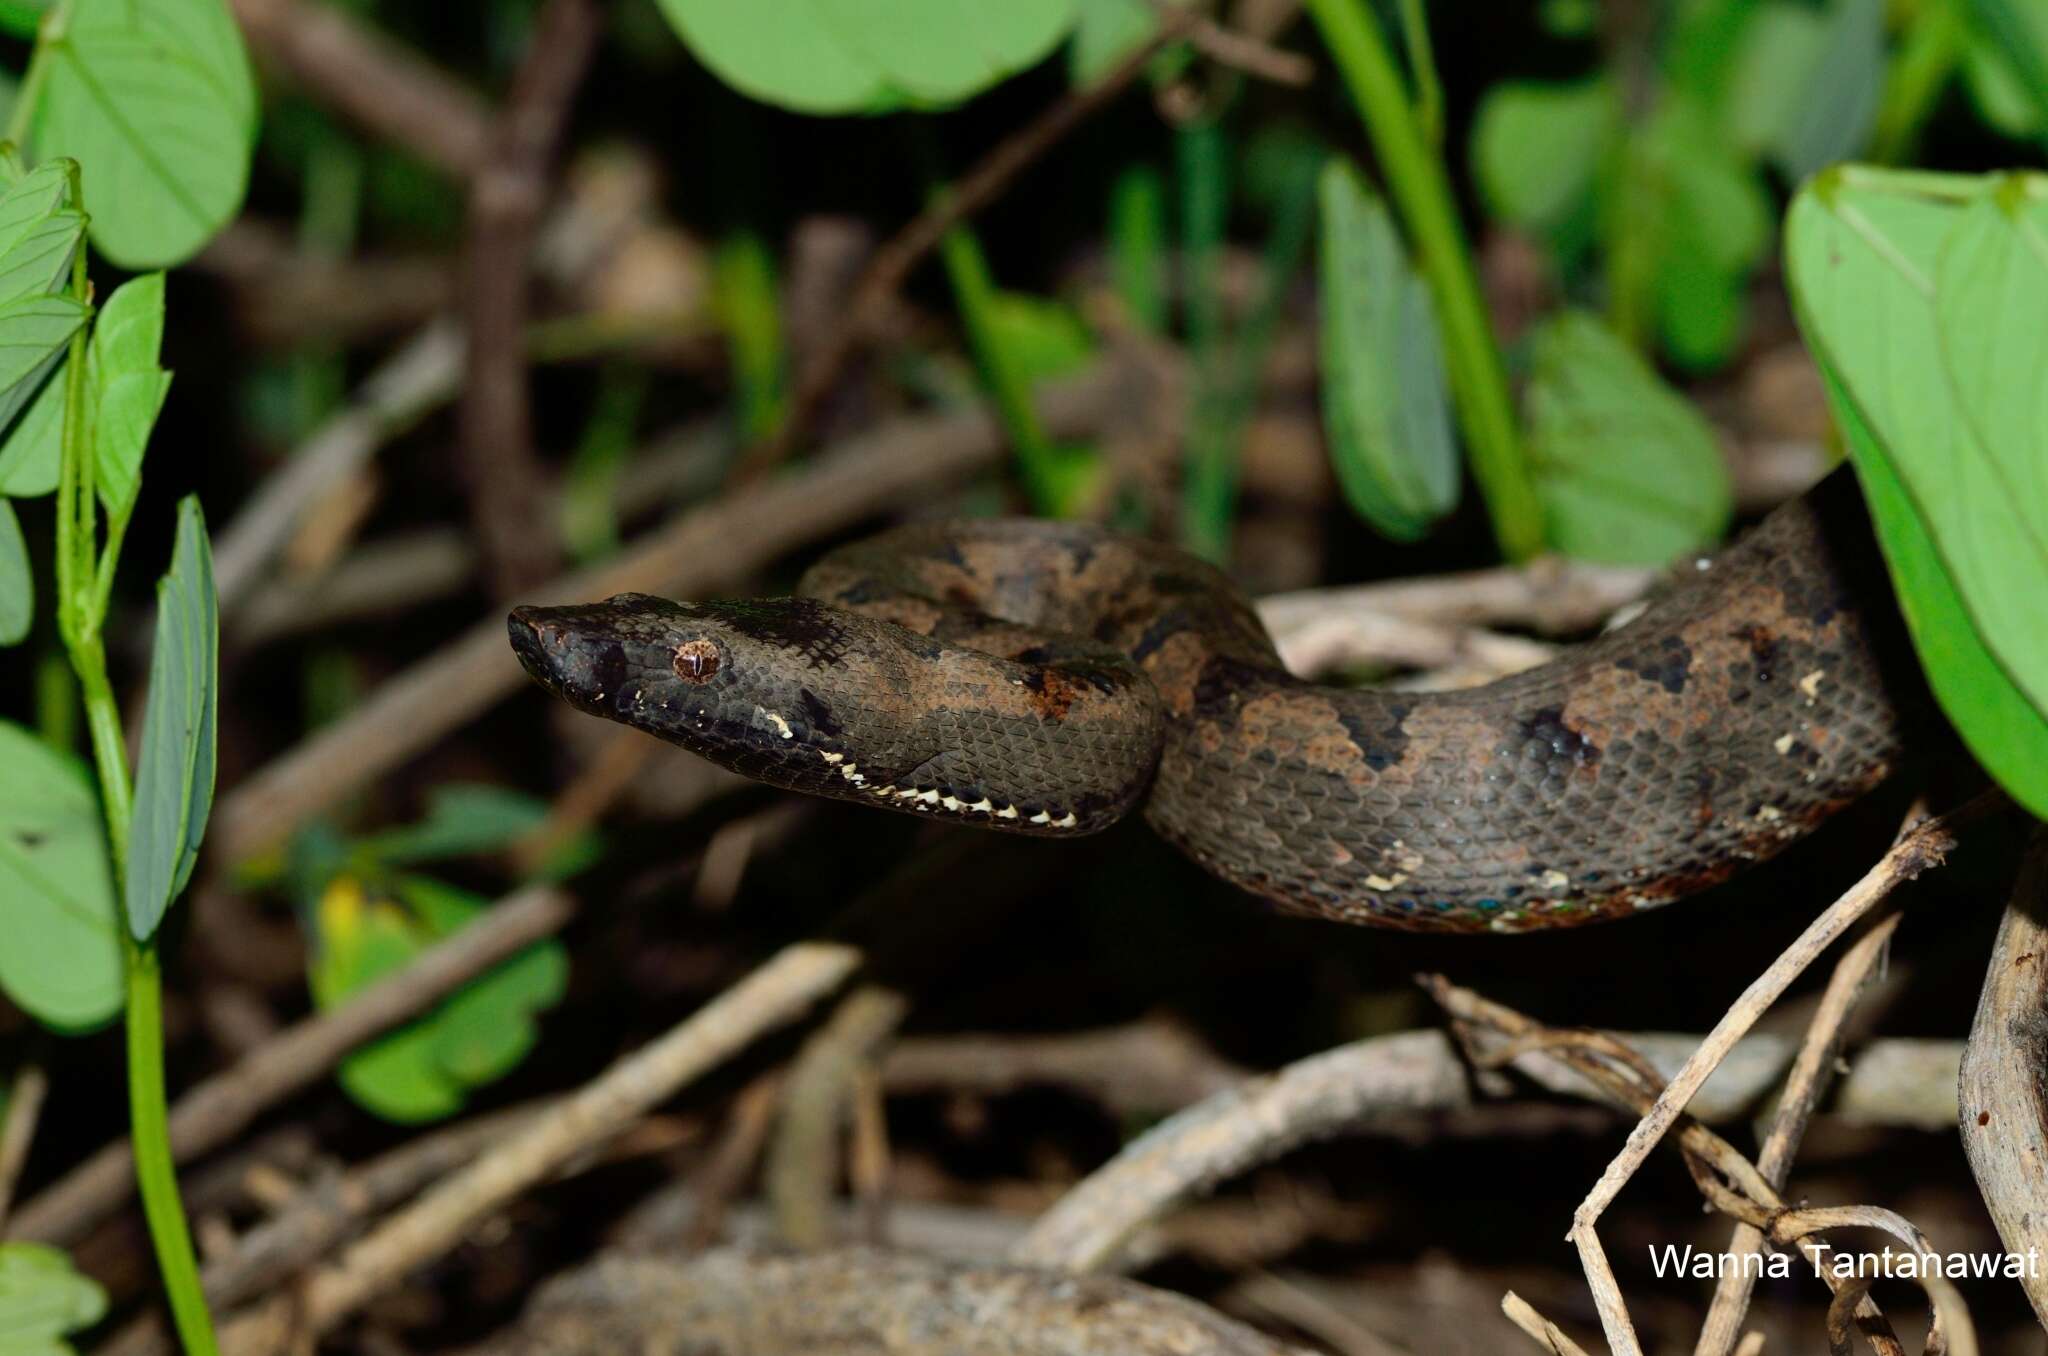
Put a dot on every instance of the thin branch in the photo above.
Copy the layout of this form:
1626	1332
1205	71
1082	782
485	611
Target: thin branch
423	373
892	264
509	495
804	1157
1917	850
2004	1080
18	1131
214	1111
1803	1089
777	993
371	79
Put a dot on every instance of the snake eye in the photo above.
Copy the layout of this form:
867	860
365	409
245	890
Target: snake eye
695	660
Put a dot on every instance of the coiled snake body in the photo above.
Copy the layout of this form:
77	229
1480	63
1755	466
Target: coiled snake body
1046	678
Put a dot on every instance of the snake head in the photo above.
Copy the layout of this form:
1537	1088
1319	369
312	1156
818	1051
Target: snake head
751	685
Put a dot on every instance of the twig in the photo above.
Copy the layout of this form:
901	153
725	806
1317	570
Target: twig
1916	850
732	1162
804	1159
1728	1181
701	550
421	374
373	80
1803	1089
509	495
736	1303
778	992
1547	1334
2001	1088
18	1131
1385	1079
1550	595
216	1110
404	570
1143	1069
1241	52
892	264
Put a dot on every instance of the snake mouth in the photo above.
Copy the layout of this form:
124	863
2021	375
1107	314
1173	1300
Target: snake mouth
573	652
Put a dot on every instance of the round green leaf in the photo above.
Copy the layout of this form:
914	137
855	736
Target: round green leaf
1628	471
62	958
866	56
1386	413
42	1298
1922	295
1536	148
156	103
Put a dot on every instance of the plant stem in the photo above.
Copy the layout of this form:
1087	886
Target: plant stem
1422	192
82	605
155	1174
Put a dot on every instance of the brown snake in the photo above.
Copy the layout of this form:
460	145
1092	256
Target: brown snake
1045	678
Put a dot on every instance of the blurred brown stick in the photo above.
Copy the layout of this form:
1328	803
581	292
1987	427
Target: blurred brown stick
371	80
510	499
214	1111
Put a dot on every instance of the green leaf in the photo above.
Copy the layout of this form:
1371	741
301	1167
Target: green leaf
1807	82
1626	468
2017	30
463	819
1922	296
1709	217
748	308
1537	147
2008	736
1386	413
32	454
867	56
33	332
21	17
156	102
62	960
359	941
32	199
128	388
17	581
41	258
43	1298
174	779
2001	96
424	1070
486	1027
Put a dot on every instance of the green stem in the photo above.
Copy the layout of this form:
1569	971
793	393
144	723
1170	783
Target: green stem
155	1173
82	575
1429	92
1422	192
1926	60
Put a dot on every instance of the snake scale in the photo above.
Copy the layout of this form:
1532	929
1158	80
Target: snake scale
1047	678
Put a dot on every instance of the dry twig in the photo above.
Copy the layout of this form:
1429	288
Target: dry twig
2004	1089
1918	848
509	496
804	1158
213	1112
18	1130
778	992
376	82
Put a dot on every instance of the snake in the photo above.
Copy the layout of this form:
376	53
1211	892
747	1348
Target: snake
1050	677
